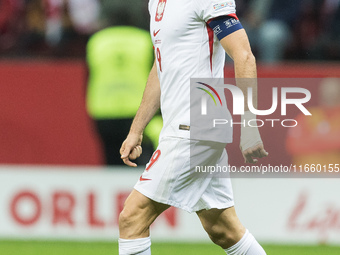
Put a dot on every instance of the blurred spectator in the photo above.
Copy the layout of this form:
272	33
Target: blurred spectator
119	60
269	26
47	27
316	140
112	16
54	21
32	40
327	43
70	19
11	25
83	15
277	29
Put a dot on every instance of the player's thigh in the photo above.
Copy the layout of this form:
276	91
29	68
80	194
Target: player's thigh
222	223
138	214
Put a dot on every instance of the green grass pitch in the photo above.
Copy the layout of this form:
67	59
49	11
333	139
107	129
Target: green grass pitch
106	248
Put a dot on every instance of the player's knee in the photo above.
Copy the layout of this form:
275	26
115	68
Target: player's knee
222	236
132	221
129	225
125	218
249	57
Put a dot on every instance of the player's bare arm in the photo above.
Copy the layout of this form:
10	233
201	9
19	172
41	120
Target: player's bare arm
237	47
131	147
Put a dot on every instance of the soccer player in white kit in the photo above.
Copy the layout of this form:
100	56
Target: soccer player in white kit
190	39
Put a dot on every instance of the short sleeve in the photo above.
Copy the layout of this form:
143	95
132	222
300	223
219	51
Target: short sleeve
209	9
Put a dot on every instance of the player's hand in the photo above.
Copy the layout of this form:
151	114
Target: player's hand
254	152
251	143
131	149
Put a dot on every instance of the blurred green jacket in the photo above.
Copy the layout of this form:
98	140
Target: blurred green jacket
119	60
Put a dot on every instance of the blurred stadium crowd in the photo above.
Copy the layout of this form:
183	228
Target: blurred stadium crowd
278	29
61	28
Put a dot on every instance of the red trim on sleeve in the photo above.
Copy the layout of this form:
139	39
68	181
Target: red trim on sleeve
233	15
211	43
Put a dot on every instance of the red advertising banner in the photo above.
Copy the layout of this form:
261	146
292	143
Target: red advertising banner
83	203
43	117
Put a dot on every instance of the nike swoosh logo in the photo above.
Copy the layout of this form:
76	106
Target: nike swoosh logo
156	32
144	179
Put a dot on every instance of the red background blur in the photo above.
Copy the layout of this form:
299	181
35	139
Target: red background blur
43	117
42	114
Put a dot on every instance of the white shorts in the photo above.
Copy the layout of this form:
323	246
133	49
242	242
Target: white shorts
169	178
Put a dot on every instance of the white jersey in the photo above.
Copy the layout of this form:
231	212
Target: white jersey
185	47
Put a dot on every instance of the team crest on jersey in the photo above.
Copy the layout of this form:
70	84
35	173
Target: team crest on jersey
160	10
223	5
